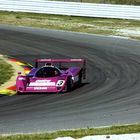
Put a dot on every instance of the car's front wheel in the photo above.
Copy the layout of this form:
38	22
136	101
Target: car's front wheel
70	84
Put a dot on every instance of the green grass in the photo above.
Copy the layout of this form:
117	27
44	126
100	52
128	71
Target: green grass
77	133
101	26
6	72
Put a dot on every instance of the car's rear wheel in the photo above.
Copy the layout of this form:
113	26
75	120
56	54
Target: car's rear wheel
80	79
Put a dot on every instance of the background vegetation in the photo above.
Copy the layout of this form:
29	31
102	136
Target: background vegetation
101	26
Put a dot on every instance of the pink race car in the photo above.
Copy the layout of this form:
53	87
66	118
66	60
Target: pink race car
52	78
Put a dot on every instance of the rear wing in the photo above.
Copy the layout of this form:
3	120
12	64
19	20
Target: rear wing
82	61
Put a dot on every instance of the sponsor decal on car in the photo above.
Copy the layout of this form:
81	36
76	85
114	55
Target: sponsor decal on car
40	88
42	83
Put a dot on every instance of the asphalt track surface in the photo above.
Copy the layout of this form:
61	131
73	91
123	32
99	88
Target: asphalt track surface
110	95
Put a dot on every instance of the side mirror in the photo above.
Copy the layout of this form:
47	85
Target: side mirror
19	73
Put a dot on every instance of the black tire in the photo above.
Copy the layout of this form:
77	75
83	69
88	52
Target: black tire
70	84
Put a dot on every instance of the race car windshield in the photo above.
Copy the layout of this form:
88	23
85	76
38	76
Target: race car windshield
48	72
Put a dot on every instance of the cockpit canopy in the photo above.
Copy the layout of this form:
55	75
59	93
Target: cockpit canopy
47	72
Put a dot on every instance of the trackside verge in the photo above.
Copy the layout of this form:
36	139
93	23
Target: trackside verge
9	87
105	137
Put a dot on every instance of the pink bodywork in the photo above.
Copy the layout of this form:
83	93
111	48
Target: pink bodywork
35	84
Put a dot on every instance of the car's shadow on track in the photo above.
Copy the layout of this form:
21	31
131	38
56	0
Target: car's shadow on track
80	86
52	93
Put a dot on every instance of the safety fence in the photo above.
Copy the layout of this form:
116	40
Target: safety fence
72	8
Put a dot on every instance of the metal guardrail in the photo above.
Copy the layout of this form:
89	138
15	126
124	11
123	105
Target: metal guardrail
124	2
72	8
